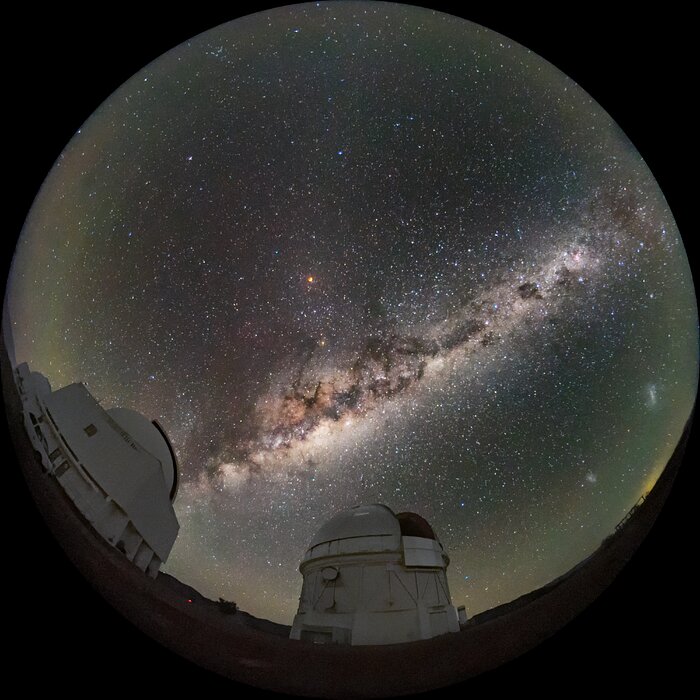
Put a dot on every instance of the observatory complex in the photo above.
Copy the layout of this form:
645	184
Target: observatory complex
374	577
117	467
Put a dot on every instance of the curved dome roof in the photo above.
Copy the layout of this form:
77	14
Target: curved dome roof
152	438
360	521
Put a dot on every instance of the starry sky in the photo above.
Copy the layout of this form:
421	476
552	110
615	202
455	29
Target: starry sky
363	252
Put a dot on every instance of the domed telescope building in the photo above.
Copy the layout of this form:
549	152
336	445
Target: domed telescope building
374	577
116	466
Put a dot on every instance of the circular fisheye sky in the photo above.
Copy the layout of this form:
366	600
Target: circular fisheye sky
363	252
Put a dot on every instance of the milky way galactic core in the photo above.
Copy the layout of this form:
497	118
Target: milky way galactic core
368	253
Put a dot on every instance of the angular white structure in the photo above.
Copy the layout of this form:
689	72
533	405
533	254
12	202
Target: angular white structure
373	577
117	467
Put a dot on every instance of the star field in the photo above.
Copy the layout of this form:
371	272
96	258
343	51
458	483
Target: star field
360	252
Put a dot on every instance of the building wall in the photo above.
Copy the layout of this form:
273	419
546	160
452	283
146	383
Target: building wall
374	599
98	508
107	518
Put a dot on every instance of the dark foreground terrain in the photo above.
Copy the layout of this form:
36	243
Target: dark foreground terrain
66	637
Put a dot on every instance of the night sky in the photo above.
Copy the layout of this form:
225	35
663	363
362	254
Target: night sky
368	253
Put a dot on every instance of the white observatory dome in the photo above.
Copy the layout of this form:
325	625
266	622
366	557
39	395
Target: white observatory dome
149	435
374	577
375	520
117	467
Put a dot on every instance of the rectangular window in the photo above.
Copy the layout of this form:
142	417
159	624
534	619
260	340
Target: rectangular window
62	470
55	454
90	430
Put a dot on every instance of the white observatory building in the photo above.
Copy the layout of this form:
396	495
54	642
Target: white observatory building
117	467
374	577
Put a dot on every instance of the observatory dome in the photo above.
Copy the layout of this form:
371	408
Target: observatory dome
360	521
374	577
117	467
149	435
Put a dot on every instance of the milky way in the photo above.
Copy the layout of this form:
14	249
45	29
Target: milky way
354	253
388	363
